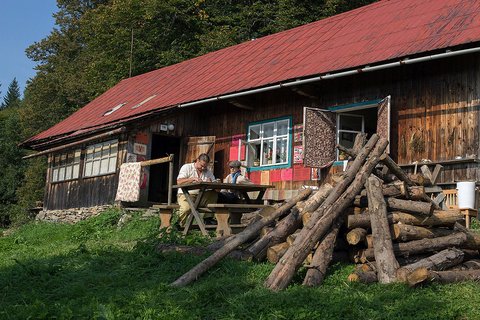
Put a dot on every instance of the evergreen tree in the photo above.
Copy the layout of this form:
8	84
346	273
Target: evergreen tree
12	97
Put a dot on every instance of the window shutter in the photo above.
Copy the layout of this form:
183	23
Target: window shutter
383	120
319	137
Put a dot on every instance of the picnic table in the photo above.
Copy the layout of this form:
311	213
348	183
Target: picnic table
243	189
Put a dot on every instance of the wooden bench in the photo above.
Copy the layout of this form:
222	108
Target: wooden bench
165	213
230	215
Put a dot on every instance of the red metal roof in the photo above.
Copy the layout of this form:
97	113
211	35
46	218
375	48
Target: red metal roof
382	31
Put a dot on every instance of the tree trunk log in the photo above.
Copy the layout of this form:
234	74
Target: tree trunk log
405	232
200	251
424	208
387	265
274	253
439	218
422	246
369	241
322	257
289	224
251	231
356	235
440	261
424	275
322	219
416	193
393	189
363	277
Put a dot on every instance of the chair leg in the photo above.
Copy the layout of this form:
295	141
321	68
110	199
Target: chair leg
223	227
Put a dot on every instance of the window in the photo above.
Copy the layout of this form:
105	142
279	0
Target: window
268	143
101	158
66	166
349	125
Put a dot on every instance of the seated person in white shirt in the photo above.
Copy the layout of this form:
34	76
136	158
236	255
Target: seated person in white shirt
235	176
190	173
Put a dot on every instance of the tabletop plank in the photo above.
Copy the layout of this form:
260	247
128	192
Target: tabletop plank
221	185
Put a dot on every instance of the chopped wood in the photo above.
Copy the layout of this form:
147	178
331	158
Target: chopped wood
405	232
439	218
387	265
393	189
363	277
423	275
274	253
423	246
328	212
251	231
440	261
424	208
369	241
355	236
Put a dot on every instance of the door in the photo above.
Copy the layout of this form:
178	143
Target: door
198	145
162	146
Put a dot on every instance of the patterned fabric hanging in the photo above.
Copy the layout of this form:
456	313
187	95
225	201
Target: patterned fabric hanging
129	182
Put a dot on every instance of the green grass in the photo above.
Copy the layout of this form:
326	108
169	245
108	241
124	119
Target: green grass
92	270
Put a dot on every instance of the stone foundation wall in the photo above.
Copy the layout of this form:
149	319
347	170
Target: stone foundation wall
73	215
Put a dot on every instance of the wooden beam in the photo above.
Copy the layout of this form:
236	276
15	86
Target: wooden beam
304	92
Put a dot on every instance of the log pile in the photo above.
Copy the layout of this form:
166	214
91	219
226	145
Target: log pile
374	215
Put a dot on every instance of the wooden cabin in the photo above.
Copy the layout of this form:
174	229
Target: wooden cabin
407	69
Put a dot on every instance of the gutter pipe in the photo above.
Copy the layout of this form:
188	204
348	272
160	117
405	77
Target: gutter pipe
334	75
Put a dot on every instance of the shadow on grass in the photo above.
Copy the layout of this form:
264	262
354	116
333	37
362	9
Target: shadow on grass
123	284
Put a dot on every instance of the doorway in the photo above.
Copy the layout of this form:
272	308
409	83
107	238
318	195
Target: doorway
162	146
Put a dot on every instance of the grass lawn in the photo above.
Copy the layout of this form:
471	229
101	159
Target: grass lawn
92	270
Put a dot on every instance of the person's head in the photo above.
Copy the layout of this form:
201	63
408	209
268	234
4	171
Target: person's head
202	161
234	165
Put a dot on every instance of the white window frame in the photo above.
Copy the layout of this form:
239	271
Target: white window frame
261	139
339	131
66	165
97	156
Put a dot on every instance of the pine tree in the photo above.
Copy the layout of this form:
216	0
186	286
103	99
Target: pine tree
12	97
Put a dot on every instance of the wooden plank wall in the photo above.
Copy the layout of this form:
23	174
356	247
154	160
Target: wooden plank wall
84	192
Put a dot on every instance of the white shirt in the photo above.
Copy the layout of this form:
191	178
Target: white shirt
188	171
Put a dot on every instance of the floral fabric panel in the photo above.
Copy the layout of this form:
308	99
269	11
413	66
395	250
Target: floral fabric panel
319	138
129	182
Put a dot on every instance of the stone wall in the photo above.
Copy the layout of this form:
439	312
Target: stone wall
73	215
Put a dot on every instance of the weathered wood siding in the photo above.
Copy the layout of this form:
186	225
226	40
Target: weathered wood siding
83	192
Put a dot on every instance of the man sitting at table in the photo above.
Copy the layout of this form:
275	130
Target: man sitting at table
235	176
190	173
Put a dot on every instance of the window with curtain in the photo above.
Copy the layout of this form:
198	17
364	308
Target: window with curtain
101	158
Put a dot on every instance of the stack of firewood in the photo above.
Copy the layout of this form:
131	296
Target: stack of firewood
380	219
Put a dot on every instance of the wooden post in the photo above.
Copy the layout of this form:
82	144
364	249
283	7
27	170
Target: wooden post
170	179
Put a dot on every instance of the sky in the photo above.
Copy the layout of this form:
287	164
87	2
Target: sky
22	22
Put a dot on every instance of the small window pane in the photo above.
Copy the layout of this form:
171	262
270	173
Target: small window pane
268	130
68	173
112	166
104	166
282	128
254	132
61	173
282	147
75	171
96	167
347	139
88	169
350	123
55	175
267	152
254	154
